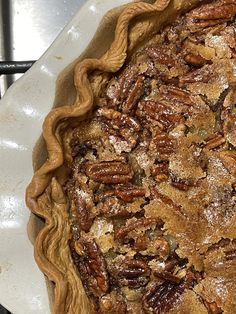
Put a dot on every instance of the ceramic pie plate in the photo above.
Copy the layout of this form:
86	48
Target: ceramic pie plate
22	110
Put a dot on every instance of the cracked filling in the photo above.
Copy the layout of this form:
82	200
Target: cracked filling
153	179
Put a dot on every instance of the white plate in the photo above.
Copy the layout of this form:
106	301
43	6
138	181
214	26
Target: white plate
22	111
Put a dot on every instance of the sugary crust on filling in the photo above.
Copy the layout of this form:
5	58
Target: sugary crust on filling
152	185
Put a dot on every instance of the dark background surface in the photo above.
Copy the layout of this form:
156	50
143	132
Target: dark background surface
3	311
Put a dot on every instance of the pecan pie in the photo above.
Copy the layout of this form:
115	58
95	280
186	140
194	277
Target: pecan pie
138	191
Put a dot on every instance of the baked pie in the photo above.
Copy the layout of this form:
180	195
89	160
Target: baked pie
138	191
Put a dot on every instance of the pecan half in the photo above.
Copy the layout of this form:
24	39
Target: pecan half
229	160
173	94
112	207
113	303
171	264
102	196
230	255
119	120
91	265
160	172
118	89
132	225
194	59
211	14
167	276
163	114
221	9
134	95
126	80
120	127
131	272
214	141
204	75
201	25
164	145
112	172
112	93
229	125
161	54
129	193
82	202
162	168
159	299
181	184
212	307
84	215
191	54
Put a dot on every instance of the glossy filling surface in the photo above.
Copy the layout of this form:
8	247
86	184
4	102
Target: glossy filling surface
153	178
